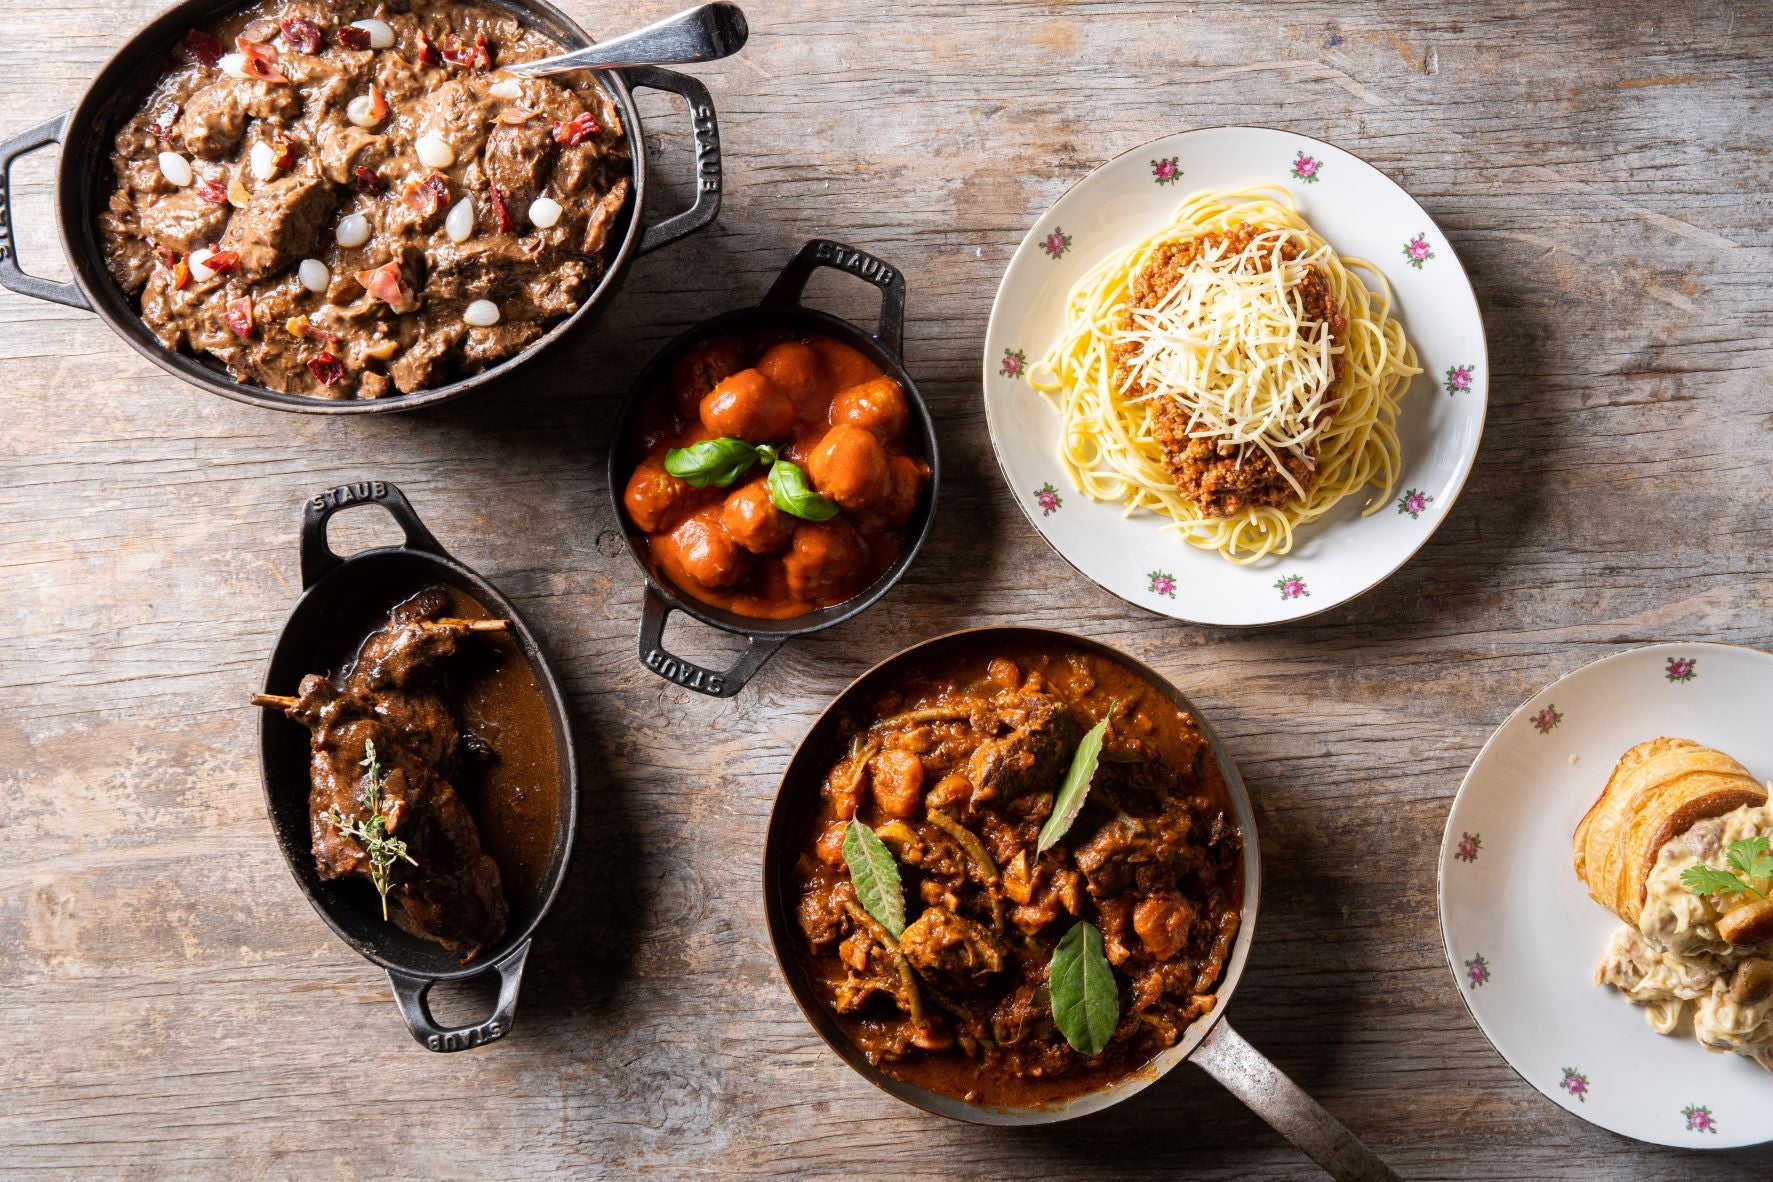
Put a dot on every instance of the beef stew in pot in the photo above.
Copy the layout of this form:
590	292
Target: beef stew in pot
347	198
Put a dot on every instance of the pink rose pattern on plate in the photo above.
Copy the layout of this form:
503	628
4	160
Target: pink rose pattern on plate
1547	719
1306	168
1459	378
1162	583
1417	250
1047	497
1414	502
1681	669
1477	971
1292	587
1165	172
1575	1083
1469	845
1699	1119
1056	243
1014	362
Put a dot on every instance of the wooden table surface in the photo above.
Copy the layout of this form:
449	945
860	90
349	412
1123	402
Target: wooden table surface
173	1007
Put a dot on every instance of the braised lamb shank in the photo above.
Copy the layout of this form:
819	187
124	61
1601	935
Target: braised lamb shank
441	885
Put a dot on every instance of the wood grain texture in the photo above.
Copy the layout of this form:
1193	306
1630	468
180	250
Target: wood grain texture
174	1009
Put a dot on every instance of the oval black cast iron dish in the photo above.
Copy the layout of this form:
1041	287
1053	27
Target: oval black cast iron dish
1210	1042
332	586
83	180
780	310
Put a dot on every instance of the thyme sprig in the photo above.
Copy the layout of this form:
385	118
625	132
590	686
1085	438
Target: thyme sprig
372	831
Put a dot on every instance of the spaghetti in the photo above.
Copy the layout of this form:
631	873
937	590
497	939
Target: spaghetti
1263	344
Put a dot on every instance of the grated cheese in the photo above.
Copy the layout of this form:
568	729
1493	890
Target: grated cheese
1233	345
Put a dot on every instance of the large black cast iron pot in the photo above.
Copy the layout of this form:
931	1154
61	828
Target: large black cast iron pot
83	182
780	311
335	588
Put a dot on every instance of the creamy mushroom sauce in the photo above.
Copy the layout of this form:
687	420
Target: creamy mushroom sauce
1675	964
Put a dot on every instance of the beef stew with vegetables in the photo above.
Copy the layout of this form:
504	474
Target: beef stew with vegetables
1023	878
348	199
776	474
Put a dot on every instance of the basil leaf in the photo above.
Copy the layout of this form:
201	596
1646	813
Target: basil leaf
1070	800
875	876
1086	1001
794	496
713	461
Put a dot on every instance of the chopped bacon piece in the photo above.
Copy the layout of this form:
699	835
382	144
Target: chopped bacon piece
426	197
501	211
385	283
366	180
352	37
577	130
167	255
301	326
261	61
239	316
378	104
326	368
181	275
213	193
222	260
282	152
474	57
300	34
204	48
427	52
162	125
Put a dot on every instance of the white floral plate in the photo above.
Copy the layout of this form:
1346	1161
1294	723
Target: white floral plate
1522	935
1360	212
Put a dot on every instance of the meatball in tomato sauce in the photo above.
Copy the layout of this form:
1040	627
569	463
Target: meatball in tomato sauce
799	474
753	520
706	552
849	466
748	406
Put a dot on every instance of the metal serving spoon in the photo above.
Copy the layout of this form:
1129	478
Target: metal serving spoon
705	33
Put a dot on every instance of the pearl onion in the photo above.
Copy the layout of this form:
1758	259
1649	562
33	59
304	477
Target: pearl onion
459	225
361	111
509	88
481	313
314	276
380	35
353	230
175	168
198	258
435	152
264	161
544	212
233	64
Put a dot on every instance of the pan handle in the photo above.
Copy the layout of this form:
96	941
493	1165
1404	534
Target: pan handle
1249	1076
706	129
12	276
654	611
410	994
318	560
823	252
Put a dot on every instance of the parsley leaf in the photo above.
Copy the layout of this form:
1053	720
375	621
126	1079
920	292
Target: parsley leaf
1748	859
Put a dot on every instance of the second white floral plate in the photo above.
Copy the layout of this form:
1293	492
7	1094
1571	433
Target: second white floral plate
1522	935
1361	212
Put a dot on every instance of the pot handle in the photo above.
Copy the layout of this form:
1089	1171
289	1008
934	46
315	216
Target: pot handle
12	276
823	252
706	129
1249	1076
654	611
410	993
318	560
